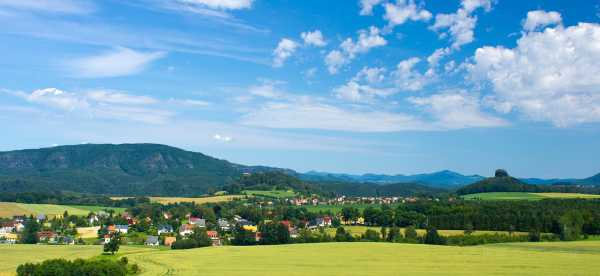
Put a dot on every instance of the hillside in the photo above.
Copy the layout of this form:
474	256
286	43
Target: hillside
129	169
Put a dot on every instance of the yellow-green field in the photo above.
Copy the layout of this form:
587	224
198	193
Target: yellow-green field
9	209
527	196
559	258
273	193
359	230
197	200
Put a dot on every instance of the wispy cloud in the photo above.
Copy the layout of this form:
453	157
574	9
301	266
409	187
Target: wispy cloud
55	6
115	63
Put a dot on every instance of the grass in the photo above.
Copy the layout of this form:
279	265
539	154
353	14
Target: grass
9	209
359	230
527	196
558	258
273	193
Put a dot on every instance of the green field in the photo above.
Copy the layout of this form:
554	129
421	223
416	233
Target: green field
559	258
338	208
526	196
273	193
9	209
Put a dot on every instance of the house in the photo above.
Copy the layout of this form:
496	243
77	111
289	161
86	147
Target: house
198	222
252	228
224	225
152	241
47	236
164	229
121	228
170	240
19	226
19	218
7	228
214	237
186	229
67	240
10	238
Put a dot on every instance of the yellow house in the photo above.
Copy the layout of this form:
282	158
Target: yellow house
250	228
10	237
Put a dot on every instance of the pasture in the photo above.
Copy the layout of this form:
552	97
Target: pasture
9	209
526	196
558	258
197	200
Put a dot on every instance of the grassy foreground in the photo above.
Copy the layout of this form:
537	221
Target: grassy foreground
9	209
559	258
526	196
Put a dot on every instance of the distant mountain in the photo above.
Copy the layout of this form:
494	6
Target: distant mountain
446	179
127	169
594	180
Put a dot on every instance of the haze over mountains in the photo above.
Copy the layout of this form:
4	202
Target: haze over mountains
159	169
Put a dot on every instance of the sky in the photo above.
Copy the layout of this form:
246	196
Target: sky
357	86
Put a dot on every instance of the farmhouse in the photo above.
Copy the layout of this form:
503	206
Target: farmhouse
170	240
10	238
224	224
165	229
47	236
186	229
198	222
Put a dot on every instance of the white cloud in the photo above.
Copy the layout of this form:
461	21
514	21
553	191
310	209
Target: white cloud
402	11
115	63
540	19
55	6
366	6
222	138
220	4
119	98
267	89
367	39
56	98
367	84
461	24
314	38
407	78
314	115
552	75
456	110
372	75
284	50
190	102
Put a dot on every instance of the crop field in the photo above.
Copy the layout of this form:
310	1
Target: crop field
197	200
273	194
359	230
527	196
557	258
9	209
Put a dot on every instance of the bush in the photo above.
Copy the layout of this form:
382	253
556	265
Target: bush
56	267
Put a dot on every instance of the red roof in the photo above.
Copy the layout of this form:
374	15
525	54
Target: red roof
212	234
46	234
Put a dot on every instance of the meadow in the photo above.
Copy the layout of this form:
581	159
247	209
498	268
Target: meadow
527	196
9	209
197	200
558	258
272	194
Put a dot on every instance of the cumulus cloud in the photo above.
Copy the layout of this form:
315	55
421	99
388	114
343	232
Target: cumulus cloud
461	24
551	75
402	11
55	98
222	138
284	50
314	38
366	6
267	89
407	78
349	49
115	63
456	110
540	19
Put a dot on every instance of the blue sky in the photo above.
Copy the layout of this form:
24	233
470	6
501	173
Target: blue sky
396	86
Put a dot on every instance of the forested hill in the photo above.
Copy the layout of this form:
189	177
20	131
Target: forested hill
128	169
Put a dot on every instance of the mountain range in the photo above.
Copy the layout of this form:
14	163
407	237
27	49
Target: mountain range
153	169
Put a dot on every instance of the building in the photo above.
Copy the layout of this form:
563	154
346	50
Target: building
121	228
170	240
198	222
214	237
165	229
224	225
152	241
40	217
10	238
47	236
186	229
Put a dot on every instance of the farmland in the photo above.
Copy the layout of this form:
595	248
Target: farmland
559	258
9	209
359	230
197	200
272	194
527	196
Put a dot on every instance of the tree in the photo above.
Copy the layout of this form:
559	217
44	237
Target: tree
411	234
275	233
350	214
571	224
394	235
29	235
383	232
200	237
113	245
469	228
370	235
342	236
433	237
242	236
